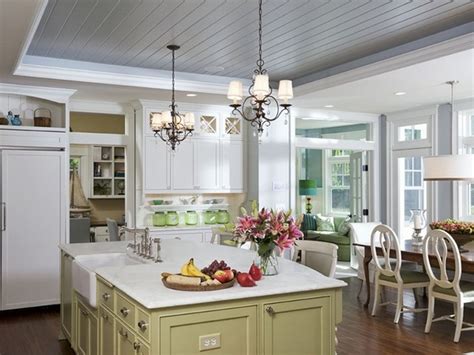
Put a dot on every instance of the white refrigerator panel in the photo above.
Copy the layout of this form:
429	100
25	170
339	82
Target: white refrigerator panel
33	193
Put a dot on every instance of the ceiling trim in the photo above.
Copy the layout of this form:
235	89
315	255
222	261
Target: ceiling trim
333	115
433	51
47	93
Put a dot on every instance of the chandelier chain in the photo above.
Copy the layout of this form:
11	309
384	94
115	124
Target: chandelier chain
260	61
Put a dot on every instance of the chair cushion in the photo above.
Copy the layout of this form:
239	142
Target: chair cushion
342	225
334	237
467	288
325	223
408	277
308	223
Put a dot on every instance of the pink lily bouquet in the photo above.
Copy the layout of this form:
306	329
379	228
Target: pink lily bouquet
268	229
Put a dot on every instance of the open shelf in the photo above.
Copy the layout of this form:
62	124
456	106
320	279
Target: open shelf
33	128
107	163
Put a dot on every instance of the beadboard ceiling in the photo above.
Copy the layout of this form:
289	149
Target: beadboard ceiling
219	37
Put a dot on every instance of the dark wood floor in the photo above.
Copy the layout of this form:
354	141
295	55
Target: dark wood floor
35	331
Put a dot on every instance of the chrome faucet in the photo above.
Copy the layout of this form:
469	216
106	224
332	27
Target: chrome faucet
157	241
142	248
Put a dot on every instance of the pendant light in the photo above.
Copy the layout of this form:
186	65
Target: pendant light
449	167
260	92
171	126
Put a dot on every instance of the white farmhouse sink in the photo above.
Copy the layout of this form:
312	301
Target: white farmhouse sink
83	272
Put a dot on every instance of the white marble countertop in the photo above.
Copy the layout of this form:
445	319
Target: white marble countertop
76	249
143	282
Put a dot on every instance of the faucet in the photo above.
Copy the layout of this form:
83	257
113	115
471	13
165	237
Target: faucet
157	241
144	247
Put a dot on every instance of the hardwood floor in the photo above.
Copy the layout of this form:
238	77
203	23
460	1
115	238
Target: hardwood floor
35	331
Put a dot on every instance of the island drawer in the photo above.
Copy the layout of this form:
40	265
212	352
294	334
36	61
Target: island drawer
143	323
105	295
127	342
125	310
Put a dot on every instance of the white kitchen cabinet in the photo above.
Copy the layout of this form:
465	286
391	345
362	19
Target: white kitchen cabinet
156	165
232	165
207	164
182	167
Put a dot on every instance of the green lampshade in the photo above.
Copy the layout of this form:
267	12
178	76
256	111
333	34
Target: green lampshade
307	187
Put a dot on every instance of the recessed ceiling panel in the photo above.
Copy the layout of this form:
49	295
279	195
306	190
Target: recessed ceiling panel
219	37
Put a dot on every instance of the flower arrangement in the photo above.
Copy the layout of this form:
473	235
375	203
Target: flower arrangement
267	229
454	227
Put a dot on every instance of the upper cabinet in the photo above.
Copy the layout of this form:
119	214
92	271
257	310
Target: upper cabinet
211	160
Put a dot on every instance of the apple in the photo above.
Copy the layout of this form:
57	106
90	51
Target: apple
245	280
255	272
223	275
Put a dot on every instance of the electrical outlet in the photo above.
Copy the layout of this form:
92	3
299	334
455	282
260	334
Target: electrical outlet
210	341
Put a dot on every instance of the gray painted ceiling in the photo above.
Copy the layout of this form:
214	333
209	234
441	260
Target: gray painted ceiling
300	36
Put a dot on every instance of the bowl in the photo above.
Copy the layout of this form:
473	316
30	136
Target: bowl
157	202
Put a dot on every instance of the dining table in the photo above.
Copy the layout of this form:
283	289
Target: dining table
414	253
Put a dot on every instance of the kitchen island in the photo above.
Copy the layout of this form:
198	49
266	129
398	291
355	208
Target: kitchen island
294	312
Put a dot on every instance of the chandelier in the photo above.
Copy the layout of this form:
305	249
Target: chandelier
256	107
171	126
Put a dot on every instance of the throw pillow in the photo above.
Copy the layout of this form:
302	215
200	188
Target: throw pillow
343	227
325	224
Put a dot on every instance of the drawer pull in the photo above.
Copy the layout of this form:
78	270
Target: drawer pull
123	333
105	316
136	345
270	310
142	325
84	313
124	311
106	296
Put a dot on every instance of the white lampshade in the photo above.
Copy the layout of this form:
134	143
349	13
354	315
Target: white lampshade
166	117
189	120
235	91
261	88
155	121
449	167
285	90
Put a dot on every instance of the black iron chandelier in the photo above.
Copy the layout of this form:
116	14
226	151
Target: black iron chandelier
171	126
256	107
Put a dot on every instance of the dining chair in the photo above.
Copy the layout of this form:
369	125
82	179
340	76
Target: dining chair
113	229
320	256
391	275
452	290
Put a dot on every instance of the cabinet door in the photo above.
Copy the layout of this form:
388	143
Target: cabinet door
207	164
182	170
313	335
125	340
66	295
83	336
106	332
232	165
156	165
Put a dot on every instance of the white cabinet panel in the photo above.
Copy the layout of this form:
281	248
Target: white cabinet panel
207	164
182	167
156	165
232	165
33	192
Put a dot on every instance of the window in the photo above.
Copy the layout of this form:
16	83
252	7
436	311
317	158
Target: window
466	191
412	132
414	194
339	181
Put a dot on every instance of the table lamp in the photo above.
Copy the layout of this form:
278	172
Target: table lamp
308	188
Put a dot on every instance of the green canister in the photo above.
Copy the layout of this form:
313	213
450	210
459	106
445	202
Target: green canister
159	219
222	217
191	218
172	218
210	217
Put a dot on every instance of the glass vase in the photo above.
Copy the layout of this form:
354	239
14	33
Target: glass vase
267	259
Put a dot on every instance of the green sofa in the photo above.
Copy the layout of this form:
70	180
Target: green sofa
339	235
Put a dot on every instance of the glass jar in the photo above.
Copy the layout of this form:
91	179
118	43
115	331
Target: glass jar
159	219
210	217
191	218
222	217
172	218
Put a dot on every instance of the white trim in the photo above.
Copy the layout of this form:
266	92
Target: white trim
52	94
330	115
98	139
327	143
97	107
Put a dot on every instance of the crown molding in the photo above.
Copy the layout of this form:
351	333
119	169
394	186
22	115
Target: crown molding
47	93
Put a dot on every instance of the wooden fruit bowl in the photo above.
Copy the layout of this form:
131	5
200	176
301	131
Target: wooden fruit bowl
198	288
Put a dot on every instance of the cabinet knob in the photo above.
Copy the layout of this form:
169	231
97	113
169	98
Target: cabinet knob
106	296
84	313
136	345
123	333
270	310
142	325
124	311
105	316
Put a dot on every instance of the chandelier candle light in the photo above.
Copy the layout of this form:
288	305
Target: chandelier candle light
260	91
171	126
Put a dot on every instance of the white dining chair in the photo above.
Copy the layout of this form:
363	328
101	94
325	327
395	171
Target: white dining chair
320	256
458	292
391	275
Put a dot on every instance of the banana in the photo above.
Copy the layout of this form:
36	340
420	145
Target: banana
189	269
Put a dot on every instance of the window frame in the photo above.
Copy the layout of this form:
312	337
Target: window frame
329	161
